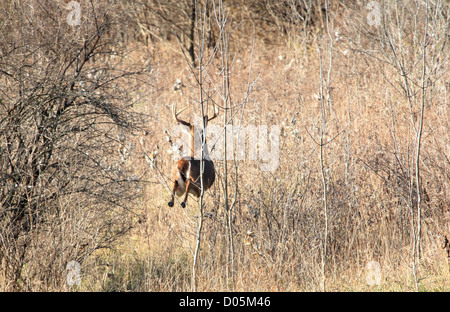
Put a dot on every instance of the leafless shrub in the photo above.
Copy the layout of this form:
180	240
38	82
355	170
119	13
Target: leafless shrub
287	13
65	118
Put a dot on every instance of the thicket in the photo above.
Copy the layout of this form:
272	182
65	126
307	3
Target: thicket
359	91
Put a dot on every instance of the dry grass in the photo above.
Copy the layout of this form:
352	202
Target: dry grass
368	217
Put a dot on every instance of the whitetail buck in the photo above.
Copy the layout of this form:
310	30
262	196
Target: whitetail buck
186	174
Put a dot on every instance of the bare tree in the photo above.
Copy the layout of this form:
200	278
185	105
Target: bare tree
411	38
65	119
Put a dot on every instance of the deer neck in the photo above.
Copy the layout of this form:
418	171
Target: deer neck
192	130
200	141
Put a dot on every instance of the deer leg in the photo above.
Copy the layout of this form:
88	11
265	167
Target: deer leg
170	203
175	185
188	187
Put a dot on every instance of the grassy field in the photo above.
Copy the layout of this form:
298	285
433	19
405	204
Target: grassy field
368	219
341	216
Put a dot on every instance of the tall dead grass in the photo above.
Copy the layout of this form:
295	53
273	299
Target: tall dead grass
278	219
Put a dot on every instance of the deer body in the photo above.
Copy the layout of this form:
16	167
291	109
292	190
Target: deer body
186	173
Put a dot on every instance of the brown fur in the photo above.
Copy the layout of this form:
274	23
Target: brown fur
186	174
192	183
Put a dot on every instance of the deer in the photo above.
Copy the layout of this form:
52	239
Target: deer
186	173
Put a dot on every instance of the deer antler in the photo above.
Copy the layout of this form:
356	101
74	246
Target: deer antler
175	116
216	113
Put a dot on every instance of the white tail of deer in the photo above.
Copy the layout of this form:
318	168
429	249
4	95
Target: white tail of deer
186	173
